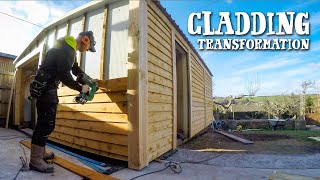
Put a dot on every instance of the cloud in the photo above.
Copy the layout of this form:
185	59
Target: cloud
270	65
229	1
18	33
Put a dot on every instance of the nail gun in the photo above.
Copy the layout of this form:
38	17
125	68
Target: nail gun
86	80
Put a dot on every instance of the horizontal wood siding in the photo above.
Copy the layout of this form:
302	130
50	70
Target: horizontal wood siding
6	80
198	97
209	102
160	86
99	126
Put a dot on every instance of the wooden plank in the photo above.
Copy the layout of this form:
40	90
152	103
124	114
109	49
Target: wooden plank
158	126
189	73
101	146
159	152
159	98
10	99
159	116
97	107
103	46
155	146
118	84
161	45
152	77
288	176
160	71
137	85
6	72
87	116
160	55
94	151
120	96
159	62
154	136
157	32
174	84
83	25
115	128
155	16
244	141
157	88
92	135
77	169
18	106
159	107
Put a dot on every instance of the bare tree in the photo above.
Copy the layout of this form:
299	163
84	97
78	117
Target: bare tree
284	104
252	86
304	87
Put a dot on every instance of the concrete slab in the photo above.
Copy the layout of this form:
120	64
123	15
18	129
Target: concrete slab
10	151
205	165
195	165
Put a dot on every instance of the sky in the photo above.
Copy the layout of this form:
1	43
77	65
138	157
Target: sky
278	72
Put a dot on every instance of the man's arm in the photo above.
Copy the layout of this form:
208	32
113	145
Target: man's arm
64	75
76	70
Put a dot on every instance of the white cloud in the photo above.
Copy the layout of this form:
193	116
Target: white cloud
19	34
270	65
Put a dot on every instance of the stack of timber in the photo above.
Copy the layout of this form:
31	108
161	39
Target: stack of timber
100	126
6	79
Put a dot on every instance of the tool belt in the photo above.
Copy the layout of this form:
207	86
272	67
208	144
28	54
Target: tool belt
39	84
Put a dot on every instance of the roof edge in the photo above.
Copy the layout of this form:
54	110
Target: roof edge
158	4
7	55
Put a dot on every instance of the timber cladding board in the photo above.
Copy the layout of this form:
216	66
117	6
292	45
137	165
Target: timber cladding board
85	148
98	145
106	127
160	86
99	126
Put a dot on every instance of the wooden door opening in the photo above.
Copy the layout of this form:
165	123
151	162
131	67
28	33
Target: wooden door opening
182	94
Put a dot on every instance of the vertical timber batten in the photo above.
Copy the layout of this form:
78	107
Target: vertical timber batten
83	29
104	33
190	92
137	85
18	98
174	88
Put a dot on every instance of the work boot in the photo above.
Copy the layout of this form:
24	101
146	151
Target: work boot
36	160
47	155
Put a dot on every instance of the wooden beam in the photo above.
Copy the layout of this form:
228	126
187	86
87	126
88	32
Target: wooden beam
68	27
190	92
244	141
84	19
205	99
174	89
77	169
103	46
18	97
10	100
137	85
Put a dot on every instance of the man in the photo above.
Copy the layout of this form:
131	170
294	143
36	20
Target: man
56	67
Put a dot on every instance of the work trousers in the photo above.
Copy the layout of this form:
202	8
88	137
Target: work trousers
46	122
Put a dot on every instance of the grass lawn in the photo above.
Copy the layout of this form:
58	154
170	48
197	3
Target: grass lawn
296	134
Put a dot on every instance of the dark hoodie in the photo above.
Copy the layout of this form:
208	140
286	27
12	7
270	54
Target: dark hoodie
58	62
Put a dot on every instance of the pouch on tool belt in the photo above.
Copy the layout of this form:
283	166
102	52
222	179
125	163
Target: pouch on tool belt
38	85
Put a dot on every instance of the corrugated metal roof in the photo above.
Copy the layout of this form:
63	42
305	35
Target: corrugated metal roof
7	55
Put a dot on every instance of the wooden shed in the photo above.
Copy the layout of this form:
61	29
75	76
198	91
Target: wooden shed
153	84
6	80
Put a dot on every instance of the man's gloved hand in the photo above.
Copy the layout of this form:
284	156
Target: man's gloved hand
85	89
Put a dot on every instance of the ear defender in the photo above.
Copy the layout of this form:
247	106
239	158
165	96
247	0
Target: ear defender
85	40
